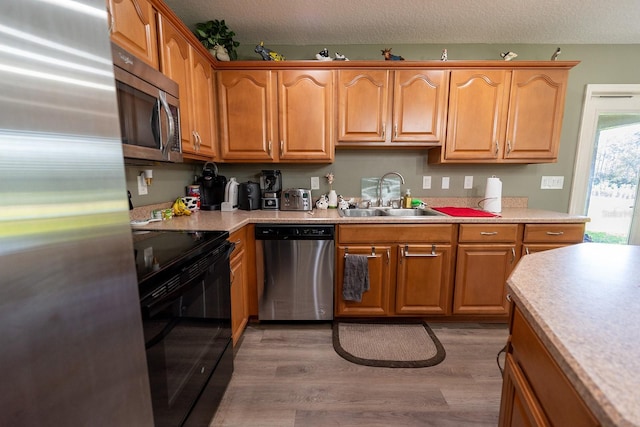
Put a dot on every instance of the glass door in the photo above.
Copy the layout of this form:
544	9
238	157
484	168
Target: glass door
608	167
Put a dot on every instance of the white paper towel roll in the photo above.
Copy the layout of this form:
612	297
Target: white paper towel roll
493	195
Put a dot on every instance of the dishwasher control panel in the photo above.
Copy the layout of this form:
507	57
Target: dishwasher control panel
294	232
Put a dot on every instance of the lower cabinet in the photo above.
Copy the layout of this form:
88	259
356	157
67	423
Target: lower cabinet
239	284
487	253
535	391
410	269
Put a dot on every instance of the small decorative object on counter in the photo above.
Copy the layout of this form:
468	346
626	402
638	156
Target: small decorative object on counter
323	55
268	54
444	56
333	199
342	203
508	56
341	57
322	202
388	56
192	203
556	54
156	214
406	200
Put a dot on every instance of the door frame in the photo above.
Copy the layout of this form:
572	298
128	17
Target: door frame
586	140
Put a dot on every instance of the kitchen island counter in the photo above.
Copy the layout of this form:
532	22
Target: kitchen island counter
583	301
232	221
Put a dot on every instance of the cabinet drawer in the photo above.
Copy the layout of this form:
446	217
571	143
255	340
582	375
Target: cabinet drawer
504	233
553	233
557	396
401	233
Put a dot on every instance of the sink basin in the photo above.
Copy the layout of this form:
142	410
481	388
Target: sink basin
389	212
413	212
361	212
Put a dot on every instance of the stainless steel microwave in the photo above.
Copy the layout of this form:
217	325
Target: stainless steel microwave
149	109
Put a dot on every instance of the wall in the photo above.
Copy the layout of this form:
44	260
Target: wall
599	64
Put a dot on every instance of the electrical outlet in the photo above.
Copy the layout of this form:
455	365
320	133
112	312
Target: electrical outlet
552	183
315	183
468	182
445	182
142	186
426	182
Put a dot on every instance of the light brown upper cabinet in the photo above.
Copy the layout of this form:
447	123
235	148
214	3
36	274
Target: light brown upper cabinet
384	108
276	116
132	25
503	116
195	78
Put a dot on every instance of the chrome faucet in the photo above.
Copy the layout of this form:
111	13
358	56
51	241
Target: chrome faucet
379	193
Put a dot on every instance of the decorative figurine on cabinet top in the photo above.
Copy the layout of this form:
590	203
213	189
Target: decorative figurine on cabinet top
388	56
444	55
221	53
555	54
508	56
323	55
268	54
340	57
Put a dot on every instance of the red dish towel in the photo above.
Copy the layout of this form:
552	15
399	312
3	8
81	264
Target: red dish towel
469	212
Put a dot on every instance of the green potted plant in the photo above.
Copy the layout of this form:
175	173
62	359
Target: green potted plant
216	32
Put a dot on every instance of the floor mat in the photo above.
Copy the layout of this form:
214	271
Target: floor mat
390	345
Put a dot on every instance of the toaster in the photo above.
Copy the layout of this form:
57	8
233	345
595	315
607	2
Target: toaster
296	199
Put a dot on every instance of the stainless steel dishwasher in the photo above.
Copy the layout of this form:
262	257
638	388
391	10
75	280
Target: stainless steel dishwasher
295	271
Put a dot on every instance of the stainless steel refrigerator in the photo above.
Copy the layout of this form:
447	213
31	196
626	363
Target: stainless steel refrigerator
71	345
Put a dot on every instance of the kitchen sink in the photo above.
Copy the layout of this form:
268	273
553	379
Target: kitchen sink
413	212
361	212
417	212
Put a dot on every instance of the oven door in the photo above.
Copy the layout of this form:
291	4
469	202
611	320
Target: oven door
186	334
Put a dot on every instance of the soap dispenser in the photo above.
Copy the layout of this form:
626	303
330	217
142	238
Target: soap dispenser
406	200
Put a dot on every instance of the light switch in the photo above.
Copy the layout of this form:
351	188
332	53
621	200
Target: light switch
315	183
468	182
552	183
142	186
426	182
445	182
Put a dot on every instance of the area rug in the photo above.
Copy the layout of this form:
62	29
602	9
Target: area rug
389	345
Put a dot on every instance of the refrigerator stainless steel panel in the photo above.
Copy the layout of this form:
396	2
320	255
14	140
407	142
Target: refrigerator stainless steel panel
70	324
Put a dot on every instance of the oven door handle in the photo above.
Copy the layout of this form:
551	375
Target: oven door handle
162	334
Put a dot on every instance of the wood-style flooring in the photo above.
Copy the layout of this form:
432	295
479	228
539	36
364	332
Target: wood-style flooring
288	375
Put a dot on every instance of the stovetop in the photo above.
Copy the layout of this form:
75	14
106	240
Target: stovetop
156	250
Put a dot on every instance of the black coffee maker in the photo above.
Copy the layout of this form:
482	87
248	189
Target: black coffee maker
212	187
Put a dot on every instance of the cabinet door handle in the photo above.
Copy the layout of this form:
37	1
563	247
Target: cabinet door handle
488	233
384	129
526	251
513	255
497	147
112	21
388	255
555	233
281	147
233	277
508	146
431	255
269	148
509	297
195	140
395	130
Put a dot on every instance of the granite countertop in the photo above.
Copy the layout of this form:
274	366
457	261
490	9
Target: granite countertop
584	303
231	221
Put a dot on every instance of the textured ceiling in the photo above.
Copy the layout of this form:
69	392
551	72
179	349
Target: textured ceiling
304	22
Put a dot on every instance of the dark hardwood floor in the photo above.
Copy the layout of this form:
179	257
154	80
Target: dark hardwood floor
288	375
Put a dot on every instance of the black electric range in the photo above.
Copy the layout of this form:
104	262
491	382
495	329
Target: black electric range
185	302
